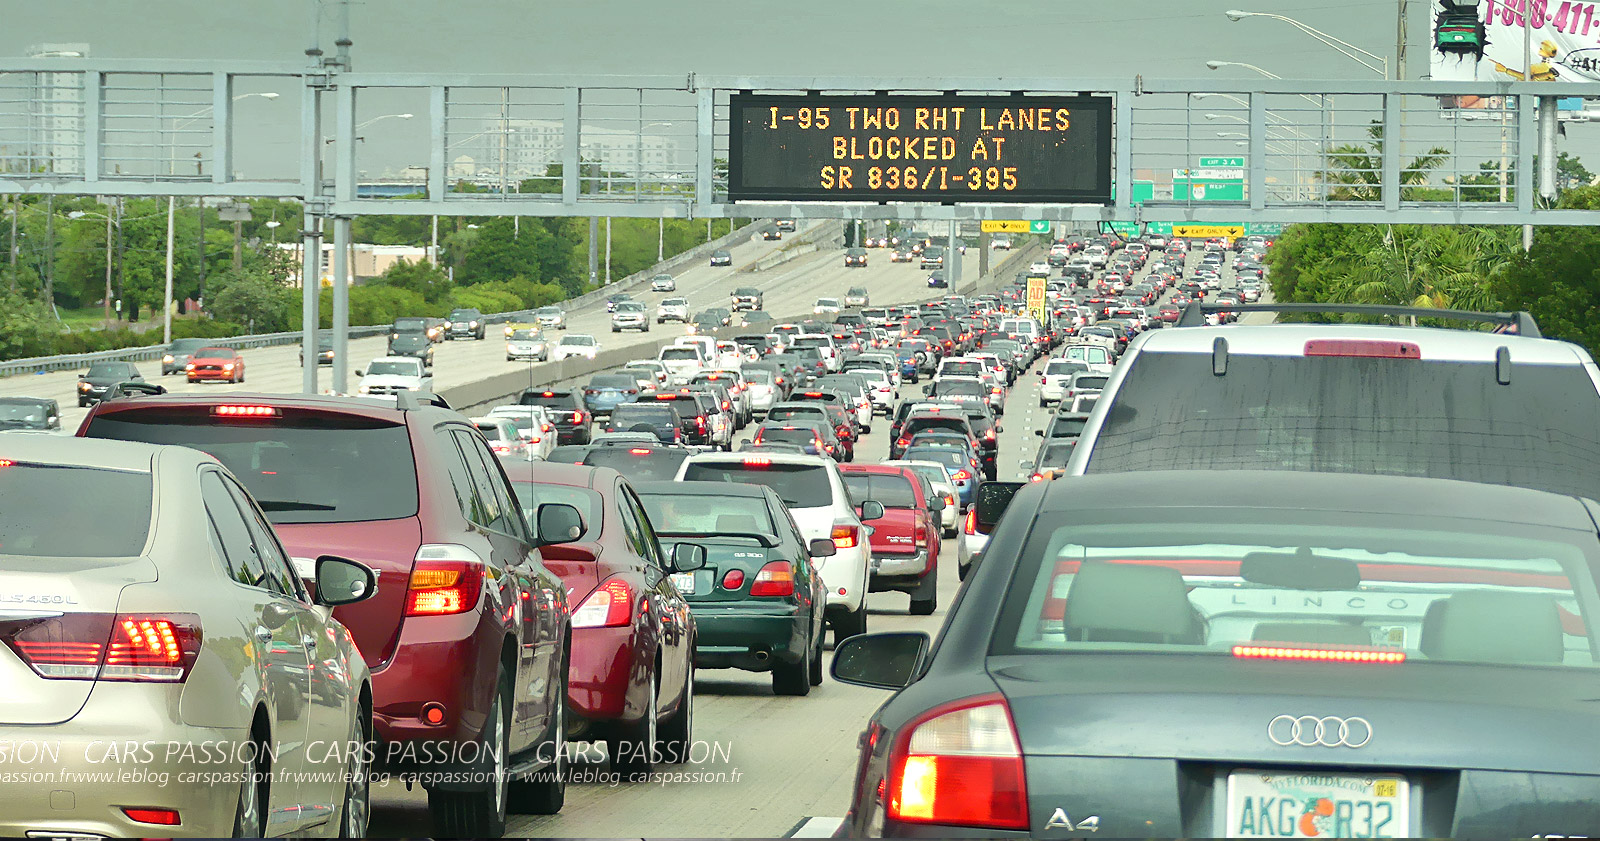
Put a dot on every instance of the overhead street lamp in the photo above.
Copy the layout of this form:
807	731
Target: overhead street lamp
1218	65
1355	53
384	117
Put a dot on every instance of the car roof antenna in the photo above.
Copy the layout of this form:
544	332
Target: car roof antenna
1219	356
1502	365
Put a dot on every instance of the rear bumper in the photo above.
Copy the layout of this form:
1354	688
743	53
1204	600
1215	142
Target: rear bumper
430	661
747	635
891	571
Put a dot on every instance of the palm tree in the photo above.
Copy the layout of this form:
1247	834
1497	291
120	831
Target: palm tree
1443	267
1355	172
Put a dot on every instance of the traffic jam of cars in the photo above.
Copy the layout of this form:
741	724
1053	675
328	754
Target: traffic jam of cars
1226	576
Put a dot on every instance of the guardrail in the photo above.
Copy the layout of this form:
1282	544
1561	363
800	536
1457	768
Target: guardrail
72	361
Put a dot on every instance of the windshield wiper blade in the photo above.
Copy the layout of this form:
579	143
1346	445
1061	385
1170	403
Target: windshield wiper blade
292	505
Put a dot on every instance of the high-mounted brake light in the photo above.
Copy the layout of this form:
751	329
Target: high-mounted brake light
1329	655
5	462
1363	348
246	411
639	451
757	461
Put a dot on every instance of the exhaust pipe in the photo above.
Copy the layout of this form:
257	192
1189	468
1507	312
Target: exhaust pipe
762	655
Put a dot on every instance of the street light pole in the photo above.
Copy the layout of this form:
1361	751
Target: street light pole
166	301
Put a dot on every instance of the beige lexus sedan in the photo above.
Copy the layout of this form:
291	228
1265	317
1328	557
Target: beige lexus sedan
164	670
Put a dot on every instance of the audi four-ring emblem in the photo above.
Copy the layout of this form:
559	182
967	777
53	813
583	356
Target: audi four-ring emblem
1309	731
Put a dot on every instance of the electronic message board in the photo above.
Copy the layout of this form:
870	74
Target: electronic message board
945	149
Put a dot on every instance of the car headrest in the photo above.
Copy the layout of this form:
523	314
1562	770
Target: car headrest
1317	633
1110	602
738	524
1496	627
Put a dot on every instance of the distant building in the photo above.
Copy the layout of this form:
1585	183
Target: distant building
367	260
55	124
530	147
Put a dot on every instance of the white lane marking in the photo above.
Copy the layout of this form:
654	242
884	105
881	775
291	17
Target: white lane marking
816	828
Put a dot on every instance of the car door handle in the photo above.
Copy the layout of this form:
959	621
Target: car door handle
263	634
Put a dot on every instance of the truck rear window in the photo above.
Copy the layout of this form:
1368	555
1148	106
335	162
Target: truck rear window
889	491
304	467
1404	417
799	485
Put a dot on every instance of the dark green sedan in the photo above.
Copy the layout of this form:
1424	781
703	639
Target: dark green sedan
758	602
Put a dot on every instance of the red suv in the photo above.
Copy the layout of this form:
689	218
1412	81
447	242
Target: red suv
905	541
468	635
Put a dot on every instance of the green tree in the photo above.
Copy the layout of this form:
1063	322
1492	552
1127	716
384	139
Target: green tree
1356	171
426	280
262	304
1558	279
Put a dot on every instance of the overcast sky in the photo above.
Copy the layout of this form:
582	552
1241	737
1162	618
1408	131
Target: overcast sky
1156	38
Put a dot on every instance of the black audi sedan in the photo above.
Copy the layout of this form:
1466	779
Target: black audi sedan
1249	654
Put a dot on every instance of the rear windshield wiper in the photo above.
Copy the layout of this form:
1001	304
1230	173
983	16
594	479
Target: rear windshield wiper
291	505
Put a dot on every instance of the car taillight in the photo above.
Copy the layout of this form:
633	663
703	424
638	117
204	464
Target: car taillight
611	606
158	648
846	537
902	442
577	417
971	526
921	536
961	476
988	435
774	579
733	580
446	579
960	765
700	421
1037	477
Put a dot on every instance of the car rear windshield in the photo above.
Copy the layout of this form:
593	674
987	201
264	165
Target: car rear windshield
790	435
1056	455
786	412
804	342
940	455
706	514
639	464
889	490
563	400
491	431
531	495
679	353
1203	581
961	369
302	467
1068	427
622	381
799	485
1063	366
1406	417
1092	382
969	387
643	413
78	512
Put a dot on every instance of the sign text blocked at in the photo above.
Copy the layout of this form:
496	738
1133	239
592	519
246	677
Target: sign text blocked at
1003	226
977	149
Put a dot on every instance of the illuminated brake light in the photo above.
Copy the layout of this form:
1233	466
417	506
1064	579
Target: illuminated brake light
5	462
246	411
444	581
774	579
1333	655
611	606
1363	348
845	537
960	765
757	461
961	476
159	648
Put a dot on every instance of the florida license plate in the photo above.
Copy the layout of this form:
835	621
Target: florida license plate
1264	804
684	581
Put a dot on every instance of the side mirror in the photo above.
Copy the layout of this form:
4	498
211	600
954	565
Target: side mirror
999	429
881	661
558	523
1039	432
688	557
360	373
822	547
937	506
871	510
993	499
343	581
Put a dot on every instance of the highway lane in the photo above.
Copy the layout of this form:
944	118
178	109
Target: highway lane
790	290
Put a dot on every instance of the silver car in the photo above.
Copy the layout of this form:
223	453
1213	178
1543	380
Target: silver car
630	315
161	650
553	317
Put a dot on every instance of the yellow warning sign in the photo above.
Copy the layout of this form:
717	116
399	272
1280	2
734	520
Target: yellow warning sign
1004	226
1233	231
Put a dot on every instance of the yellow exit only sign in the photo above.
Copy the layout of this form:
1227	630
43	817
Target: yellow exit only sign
1004	226
1208	231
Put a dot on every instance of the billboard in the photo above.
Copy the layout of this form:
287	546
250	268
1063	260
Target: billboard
950	148
1563	38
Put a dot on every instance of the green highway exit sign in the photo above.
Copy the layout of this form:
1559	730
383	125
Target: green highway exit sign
1039	226
1221	162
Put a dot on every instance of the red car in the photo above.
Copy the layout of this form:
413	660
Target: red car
215	363
467	636
905	542
631	680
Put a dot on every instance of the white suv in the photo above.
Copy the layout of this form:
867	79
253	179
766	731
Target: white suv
575	344
673	309
814	491
393	374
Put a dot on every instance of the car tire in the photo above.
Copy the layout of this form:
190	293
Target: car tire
480	813
1043	403
250	816
792	678
546	792
816	661
852	624
356	811
631	745
676	735
925	600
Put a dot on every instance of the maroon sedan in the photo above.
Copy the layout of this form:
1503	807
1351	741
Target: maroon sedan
631	679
